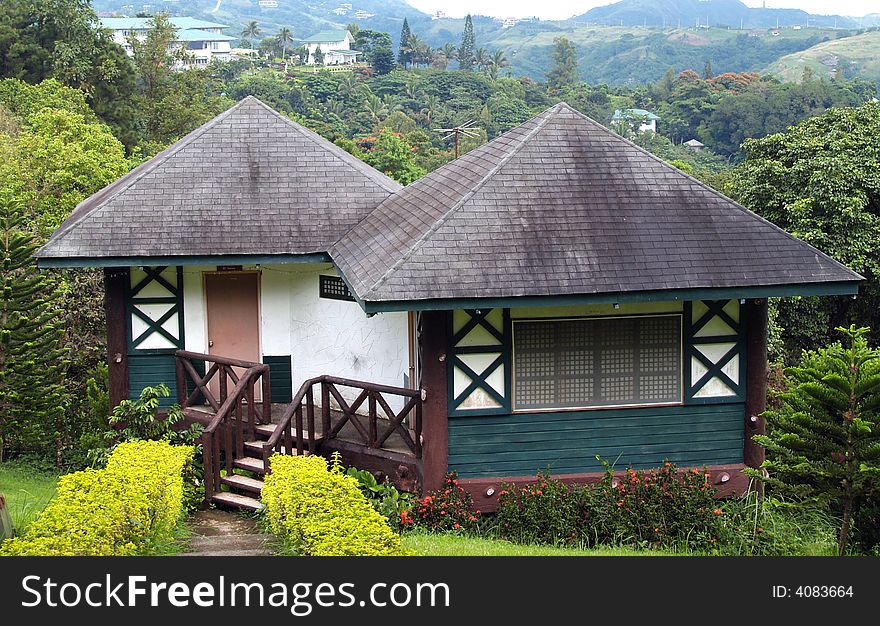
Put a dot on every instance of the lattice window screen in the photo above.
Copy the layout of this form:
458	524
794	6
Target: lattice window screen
597	362
334	288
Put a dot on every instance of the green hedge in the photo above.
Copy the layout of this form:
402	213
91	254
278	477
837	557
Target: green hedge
128	508
320	511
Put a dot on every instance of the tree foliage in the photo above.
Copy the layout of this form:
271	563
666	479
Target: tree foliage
564	71
32	396
823	442
819	182
467	50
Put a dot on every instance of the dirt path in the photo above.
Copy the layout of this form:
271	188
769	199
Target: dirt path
220	533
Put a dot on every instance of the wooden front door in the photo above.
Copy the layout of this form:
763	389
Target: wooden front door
233	309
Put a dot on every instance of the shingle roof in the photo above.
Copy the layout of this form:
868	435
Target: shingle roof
249	182
559	206
194	34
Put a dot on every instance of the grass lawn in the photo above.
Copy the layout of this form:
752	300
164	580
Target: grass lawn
27	492
454	545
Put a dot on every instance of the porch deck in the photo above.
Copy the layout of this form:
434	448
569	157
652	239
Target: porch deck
348	433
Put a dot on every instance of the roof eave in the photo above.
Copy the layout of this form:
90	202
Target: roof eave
47	262
834	288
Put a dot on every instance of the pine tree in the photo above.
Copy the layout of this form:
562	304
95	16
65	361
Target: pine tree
564	71
708	72
32	396
823	443
404	55
468	47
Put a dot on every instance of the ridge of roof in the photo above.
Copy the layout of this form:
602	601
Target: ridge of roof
545	116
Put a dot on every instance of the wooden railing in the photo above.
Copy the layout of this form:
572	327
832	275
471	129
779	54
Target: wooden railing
228	429
298	425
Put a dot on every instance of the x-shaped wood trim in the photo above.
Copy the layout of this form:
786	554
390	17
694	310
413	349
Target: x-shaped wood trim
154	273
715	369
201	384
348	412
478	319
478	381
153	326
715	309
396	422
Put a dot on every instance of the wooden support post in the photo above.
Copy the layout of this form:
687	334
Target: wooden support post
755	312
435	416
116	285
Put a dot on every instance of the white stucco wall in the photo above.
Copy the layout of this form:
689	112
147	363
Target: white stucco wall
322	336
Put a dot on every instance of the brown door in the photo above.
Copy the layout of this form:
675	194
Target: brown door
233	306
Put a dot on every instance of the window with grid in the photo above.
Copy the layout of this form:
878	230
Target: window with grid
587	363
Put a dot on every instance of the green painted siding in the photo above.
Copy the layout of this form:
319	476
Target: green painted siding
148	370
280	378
568	442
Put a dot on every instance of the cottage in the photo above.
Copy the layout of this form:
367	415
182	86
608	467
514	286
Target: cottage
695	144
637	119
335	45
551	296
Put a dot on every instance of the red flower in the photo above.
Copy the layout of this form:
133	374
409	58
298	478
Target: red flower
717	511
456	526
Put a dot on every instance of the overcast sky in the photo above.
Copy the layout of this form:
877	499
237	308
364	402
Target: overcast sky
562	9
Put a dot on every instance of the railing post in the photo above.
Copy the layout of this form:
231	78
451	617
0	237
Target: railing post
373	426
180	375
267	397
238	416
299	429
227	428
221	371
208	452
310	414
325	409
252	409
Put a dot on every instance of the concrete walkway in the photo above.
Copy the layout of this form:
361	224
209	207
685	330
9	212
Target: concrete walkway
221	533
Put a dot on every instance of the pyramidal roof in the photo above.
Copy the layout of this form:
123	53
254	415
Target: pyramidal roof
561	206
250	182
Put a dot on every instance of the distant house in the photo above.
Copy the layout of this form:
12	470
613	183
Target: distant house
695	144
646	120
203	41
335	45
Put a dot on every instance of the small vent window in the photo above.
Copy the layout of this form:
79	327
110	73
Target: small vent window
334	288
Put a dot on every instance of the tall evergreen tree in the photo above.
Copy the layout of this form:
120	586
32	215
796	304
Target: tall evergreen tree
823	443
32	396
564	71
404	54
467	51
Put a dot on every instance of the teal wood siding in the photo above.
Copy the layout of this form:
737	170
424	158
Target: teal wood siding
149	370
567	442
280	378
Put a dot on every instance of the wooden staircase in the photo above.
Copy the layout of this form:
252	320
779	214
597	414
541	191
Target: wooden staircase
245	483
233	400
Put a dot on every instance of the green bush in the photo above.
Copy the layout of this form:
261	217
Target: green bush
548	512
317	510
450	508
393	505
131	507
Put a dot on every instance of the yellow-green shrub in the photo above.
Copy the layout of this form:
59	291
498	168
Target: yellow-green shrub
320	511
125	509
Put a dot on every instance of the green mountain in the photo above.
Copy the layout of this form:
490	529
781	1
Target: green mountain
849	57
733	13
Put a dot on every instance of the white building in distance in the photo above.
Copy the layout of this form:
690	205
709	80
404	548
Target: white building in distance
335	45
203	41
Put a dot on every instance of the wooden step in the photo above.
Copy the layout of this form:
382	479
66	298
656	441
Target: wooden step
237	500
250	464
256	447
265	430
245	483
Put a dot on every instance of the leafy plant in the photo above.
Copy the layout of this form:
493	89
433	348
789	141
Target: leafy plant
547	512
384	496
450	508
823	442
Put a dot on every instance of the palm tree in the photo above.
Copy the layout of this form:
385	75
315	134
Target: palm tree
482	58
392	103
348	85
252	30
432	104
376	107
414	48
335	107
411	87
450	51
499	61
284	37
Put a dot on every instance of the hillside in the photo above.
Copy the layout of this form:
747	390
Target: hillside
731	13
848	57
